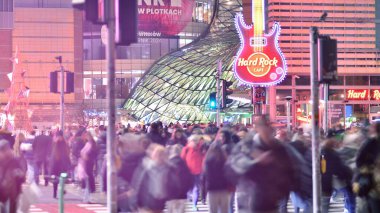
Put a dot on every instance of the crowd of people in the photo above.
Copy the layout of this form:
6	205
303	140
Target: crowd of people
259	168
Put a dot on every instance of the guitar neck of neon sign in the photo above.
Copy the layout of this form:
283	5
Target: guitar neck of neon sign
259	61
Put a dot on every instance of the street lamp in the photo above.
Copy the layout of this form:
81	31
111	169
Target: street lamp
288	99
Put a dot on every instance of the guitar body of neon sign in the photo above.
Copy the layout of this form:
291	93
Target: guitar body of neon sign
259	61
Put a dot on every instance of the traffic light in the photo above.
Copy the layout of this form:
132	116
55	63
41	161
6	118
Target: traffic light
126	23
69	82
54	82
212	101
93	12
226	92
327	60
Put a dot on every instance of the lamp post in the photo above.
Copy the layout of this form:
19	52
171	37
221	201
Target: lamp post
288	99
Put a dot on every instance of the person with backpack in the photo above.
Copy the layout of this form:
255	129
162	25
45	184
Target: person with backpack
180	180
12	176
367	181
193	154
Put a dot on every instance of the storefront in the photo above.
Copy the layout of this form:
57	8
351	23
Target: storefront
353	100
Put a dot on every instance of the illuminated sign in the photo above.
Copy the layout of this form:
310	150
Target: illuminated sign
160	18
259	61
375	94
357	94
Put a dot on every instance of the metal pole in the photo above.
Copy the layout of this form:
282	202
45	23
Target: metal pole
218	73
325	109
111	148
62	102
315	119
288	116
62	179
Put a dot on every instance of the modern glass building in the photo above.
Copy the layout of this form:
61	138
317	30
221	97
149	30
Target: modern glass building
177	86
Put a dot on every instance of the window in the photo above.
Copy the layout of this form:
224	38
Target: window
375	81
281	110
336	95
357	80
287	81
282	93
303	95
303	80
339	82
6	5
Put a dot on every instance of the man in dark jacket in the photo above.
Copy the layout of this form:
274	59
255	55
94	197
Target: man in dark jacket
267	170
42	147
155	134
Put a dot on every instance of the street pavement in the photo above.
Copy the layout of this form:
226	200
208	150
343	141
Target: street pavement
74	202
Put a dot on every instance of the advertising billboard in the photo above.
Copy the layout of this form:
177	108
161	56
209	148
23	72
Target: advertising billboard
163	18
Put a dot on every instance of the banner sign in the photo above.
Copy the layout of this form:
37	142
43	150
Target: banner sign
375	94
163	18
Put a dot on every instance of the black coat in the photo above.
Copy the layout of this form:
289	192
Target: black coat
334	166
42	146
180	179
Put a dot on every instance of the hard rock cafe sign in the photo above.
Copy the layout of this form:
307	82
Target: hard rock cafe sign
357	94
259	61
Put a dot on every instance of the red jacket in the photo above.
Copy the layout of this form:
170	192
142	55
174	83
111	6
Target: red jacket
193	156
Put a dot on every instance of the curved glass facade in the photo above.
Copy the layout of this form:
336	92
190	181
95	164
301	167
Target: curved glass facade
177	86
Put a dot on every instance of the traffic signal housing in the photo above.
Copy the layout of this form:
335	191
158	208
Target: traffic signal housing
69	82
212	101
327	59
226	92
54	82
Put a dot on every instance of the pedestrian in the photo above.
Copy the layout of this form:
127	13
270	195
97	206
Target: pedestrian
59	161
12	176
218	187
42	149
178	137
335	175
264	175
155	134
76	145
27	151
193	154
150	181
367	180
180	180
87	162
20	138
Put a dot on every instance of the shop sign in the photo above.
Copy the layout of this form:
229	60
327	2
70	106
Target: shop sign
357	94
163	18
375	94
259	61
259	95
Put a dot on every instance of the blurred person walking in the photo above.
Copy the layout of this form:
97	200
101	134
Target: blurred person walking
263	171
367	180
59	161
150	181
193	154
180	180
178	137
12	176
218	186
335	175
76	145
86	166
28	153
42	147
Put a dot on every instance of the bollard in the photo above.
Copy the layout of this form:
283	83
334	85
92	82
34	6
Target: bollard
62	179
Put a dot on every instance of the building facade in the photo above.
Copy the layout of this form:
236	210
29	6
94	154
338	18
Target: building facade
39	31
355	25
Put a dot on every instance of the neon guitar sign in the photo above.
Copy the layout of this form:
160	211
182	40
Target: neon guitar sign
259	61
